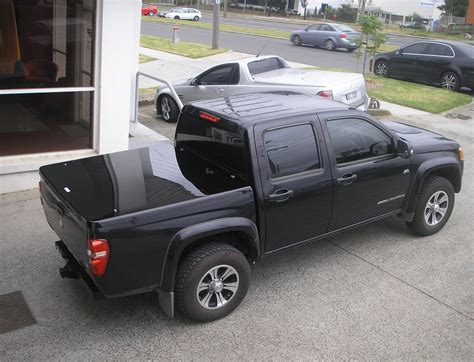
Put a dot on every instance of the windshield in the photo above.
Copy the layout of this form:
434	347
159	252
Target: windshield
265	65
344	28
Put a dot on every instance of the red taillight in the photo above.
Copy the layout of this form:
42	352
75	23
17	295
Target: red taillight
98	253
343	36
209	117
326	94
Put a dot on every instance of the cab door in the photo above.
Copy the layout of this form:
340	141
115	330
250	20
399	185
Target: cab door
213	83
405	62
369	178
296	182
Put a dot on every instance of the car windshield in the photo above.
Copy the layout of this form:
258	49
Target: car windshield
344	28
467	49
265	65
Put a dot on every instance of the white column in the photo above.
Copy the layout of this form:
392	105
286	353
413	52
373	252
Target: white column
119	32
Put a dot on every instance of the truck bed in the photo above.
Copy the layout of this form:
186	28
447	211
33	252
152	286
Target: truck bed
137	200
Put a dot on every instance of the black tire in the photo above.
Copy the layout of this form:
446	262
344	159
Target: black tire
381	68
296	40
450	81
434	185
169	109
196	18
176	17
329	45
151	13
350	50
194	270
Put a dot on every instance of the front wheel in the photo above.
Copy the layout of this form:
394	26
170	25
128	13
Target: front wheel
176	17
196	18
169	109
450	81
296	40
434	206
381	68
211	282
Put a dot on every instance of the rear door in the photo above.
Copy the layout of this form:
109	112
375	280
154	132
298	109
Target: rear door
435	59
370	180
296	181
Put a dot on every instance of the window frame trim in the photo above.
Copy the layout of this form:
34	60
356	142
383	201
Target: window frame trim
318	170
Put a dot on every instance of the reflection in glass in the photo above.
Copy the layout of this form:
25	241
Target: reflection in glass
45	122
46	43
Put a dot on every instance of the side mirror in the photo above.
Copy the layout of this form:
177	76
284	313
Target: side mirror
403	149
195	82
306	29
399	52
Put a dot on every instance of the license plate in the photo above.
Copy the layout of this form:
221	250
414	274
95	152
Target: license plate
352	95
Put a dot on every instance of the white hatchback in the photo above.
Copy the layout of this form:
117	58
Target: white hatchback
184	13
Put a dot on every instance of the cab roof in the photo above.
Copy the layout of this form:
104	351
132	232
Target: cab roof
252	108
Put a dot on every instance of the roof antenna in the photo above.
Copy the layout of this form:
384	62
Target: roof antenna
264	45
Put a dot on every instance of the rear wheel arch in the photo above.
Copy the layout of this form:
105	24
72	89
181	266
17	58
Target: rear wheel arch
241	233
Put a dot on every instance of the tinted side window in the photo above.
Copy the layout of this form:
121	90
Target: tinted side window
418	48
265	65
220	75
438	49
356	139
314	27
291	150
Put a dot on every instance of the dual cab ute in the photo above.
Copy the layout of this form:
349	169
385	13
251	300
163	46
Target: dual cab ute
248	176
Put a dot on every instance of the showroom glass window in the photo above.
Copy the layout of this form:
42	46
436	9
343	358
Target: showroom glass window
46	75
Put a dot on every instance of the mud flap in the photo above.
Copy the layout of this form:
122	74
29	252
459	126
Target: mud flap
166	300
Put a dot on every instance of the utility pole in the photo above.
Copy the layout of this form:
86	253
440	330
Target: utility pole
225	8
215	24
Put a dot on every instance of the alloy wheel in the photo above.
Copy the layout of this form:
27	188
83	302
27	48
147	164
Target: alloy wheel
330	45
165	108
217	287
449	81
436	208
381	69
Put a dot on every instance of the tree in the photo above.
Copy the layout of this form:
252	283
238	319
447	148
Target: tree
417	17
361	9
371	33
454	7
346	13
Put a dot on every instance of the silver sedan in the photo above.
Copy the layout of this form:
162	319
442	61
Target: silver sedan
262	74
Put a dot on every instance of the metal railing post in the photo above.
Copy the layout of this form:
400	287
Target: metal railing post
168	84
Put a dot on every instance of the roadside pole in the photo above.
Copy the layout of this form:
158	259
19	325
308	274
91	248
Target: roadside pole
215	24
225	8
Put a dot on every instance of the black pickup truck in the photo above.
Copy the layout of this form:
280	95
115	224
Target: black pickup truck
247	176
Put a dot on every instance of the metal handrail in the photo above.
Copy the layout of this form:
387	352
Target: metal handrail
170	86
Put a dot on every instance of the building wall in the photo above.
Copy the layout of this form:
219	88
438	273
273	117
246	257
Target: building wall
425	8
470	13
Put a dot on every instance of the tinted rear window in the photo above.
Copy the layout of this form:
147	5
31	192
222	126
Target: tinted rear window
265	65
221	143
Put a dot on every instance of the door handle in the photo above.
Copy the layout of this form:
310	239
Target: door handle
220	90
346	179
281	195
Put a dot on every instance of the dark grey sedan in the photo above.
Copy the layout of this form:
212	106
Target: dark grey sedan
328	35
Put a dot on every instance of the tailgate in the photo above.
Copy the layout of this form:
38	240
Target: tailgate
70	227
352	92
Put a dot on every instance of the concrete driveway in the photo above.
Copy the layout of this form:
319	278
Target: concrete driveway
374	293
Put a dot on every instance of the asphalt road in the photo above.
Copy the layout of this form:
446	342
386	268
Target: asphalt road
375	293
398	40
252	44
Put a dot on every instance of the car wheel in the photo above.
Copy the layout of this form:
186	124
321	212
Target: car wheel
450	81
351	50
176	17
196	18
382	68
434	206
169	109
329	45
211	282
151	13
296	40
